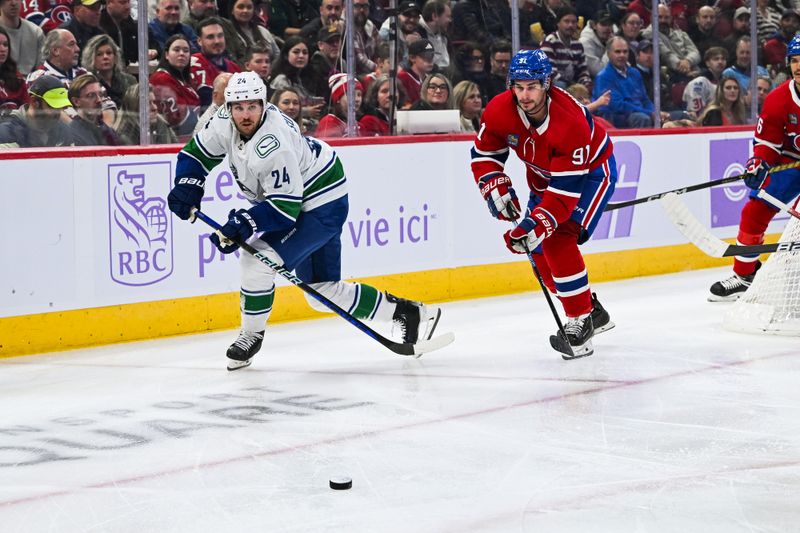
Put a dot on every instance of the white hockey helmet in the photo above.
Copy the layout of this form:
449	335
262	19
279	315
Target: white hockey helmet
244	86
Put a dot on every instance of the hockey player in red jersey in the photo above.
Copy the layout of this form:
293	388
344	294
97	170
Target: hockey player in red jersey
776	141
571	174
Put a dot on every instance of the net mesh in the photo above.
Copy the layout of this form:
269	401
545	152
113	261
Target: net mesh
772	303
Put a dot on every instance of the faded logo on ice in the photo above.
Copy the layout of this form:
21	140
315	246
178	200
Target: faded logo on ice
727	158
140	227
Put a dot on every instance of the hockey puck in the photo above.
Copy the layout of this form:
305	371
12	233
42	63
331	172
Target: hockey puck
340	483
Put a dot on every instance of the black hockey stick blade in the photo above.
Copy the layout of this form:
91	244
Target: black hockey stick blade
401	348
611	206
560	344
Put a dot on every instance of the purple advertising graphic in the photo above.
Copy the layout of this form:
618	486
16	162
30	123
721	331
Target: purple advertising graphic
409	226
629	166
140	227
727	158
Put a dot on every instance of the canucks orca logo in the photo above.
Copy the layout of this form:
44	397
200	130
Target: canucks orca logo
140	231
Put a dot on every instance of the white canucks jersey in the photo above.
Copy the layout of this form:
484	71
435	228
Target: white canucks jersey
277	168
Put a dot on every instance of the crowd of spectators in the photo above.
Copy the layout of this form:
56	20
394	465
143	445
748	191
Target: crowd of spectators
453	54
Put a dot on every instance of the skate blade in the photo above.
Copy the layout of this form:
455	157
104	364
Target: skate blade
432	322
731	298
609	325
235	364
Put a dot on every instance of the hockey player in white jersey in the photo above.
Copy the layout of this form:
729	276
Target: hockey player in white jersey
298	191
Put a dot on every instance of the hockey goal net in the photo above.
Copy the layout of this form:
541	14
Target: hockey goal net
772	303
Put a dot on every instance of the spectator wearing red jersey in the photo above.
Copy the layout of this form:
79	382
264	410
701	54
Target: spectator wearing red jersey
335	124
211	60
775	47
176	98
420	64
13	90
378	105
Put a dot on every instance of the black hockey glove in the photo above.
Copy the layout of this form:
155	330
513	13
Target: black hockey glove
185	196
240	227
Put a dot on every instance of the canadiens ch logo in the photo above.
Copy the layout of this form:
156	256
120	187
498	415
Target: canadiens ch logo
512	140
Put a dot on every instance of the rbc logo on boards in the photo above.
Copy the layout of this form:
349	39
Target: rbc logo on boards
726	158
140	227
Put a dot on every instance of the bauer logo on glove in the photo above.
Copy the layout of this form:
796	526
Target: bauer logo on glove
240	227
500	196
757	173
530	233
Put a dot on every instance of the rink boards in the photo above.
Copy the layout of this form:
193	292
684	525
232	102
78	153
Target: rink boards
92	255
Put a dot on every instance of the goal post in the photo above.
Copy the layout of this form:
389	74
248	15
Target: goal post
772	303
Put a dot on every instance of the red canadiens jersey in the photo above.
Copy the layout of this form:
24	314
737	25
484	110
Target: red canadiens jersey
204	72
777	137
176	100
9	99
558	154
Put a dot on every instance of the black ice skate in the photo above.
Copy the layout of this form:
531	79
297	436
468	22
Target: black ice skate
241	352
579	338
600	317
415	320
729	290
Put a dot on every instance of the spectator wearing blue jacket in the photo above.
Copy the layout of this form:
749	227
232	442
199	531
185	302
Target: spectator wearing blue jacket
168	23
630	106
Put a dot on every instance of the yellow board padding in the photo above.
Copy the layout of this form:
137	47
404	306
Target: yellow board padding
66	330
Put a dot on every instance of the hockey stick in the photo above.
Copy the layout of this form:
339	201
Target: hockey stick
786	208
617	205
701	237
559	344
402	348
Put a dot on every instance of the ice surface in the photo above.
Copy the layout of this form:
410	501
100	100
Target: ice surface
674	424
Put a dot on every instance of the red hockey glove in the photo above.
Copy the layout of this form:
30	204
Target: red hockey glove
500	196
530	233
757	170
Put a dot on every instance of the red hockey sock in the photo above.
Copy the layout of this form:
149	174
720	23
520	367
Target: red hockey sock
544	270
568	269
756	216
